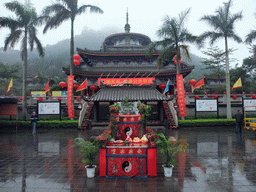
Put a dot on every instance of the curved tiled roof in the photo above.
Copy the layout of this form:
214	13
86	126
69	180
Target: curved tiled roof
134	93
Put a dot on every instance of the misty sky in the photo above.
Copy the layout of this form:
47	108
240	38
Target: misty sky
146	17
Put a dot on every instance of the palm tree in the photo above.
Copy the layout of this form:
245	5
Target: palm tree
174	34
23	27
251	36
67	9
223	24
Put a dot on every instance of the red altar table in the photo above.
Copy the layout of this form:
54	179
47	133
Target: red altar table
128	125
128	160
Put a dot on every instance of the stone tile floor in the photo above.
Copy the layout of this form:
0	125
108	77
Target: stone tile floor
217	159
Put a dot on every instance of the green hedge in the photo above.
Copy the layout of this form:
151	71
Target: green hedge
74	123
207	123
41	124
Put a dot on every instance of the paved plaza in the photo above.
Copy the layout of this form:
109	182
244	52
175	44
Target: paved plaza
217	159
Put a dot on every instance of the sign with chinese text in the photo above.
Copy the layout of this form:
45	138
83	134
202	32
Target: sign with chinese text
71	113
181	95
206	105
121	81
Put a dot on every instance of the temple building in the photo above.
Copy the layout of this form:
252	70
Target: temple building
122	68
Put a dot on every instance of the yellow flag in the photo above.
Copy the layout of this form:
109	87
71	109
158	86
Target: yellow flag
237	84
10	85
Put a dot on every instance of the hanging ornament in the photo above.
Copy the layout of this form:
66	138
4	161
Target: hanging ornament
76	62
77	57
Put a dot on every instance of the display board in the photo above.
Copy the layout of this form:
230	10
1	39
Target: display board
210	105
249	102
49	108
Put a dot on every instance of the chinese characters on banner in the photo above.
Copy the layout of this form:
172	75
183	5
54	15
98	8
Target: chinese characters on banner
181	95
120	81
71	113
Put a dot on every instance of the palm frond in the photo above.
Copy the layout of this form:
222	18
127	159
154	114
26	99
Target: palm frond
56	20
31	39
93	9
17	8
39	47
55	8
183	16
185	51
235	37
12	39
250	37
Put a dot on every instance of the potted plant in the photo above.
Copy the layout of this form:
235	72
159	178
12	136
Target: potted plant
88	151
170	148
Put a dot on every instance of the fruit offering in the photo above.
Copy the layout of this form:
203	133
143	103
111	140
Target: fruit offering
136	140
144	139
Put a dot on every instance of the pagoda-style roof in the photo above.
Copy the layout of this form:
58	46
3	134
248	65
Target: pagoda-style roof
131	71
133	92
127	38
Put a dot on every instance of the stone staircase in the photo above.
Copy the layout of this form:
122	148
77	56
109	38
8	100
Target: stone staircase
85	115
171	116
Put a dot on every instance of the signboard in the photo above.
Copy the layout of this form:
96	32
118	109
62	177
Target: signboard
121	81
49	108
37	94
210	105
59	93
249	102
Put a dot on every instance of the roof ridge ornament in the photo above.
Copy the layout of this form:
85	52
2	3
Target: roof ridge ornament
127	26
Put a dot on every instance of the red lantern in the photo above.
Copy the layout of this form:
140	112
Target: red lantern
40	99
11	95
59	98
30	95
76	86
77	98
205	93
168	93
197	97
162	86
63	84
21	98
76	62
175	57
215	96
253	96
50	95
192	81
225	93
234	96
244	93
175	62
93	87
77	57
187	93
86	94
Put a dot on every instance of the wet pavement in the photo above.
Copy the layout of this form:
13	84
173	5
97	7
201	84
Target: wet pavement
217	159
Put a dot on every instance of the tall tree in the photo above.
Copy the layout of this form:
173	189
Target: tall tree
223	23
24	28
65	10
175	35
215	62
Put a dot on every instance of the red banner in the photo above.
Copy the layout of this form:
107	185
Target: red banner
181	95
120	81
71	113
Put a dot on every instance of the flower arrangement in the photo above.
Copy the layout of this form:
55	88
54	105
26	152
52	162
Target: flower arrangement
115	108
151	135
103	138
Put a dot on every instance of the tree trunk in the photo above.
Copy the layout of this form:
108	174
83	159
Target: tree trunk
229	115
24	80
